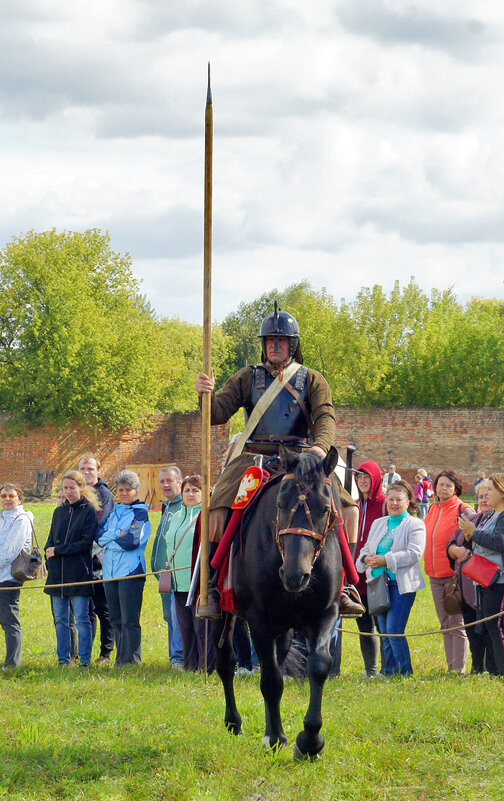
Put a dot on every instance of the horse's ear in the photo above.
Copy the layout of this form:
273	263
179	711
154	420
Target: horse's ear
331	460
289	458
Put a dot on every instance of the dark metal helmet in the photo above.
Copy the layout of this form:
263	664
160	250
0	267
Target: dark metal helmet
281	324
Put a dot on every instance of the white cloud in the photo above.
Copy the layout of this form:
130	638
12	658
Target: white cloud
355	142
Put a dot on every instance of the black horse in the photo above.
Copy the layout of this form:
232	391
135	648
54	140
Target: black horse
287	577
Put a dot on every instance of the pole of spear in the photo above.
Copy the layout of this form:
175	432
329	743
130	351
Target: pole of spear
207	347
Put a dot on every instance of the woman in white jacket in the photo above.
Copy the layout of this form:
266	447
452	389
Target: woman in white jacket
395	545
15	536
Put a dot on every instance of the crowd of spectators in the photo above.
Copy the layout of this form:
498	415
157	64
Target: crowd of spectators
95	557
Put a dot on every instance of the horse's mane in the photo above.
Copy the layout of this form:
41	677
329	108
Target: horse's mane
309	469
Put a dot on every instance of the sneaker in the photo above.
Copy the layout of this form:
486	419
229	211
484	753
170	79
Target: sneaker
211	610
243	671
103	660
177	666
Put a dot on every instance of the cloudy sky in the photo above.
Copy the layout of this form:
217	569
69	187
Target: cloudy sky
355	141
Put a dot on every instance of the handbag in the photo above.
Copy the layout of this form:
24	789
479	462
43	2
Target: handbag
481	570
452	595
165	578
378	596
27	565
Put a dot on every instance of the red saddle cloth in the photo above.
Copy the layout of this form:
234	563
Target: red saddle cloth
253	482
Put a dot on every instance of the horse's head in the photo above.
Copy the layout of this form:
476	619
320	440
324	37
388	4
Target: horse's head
305	510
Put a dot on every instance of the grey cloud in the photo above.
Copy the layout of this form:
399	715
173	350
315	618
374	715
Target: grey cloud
423	225
463	38
175	234
130	120
178	234
248	17
38	80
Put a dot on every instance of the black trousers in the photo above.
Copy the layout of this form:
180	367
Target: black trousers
192	629
98	608
491	602
480	643
370	646
124	599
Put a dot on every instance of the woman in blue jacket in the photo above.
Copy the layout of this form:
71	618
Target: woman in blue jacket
124	538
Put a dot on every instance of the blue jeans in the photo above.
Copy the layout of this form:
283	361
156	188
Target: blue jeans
175	646
395	649
61	611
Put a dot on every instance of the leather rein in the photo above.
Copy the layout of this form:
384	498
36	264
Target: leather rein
332	516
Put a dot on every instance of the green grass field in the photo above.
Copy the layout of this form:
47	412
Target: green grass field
148	732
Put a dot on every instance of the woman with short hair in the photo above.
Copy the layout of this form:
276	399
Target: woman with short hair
68	554
124	537
395	546
16	528
441	524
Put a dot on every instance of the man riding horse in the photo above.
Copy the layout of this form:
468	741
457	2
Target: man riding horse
285	403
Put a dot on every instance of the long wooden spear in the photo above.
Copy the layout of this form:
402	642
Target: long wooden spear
207	346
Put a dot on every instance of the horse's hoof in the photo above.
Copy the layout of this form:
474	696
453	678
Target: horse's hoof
234	728
300	757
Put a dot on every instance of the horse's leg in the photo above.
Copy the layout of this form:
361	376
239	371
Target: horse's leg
225	662
310	742
283	644
271	683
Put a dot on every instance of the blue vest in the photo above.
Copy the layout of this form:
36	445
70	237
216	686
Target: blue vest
284	417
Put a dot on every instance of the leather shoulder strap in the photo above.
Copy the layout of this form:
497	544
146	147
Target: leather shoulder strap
302	405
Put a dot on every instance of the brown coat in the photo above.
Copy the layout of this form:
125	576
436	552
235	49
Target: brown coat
235	393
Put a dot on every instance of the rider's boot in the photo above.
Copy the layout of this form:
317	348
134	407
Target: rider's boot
211	610
350	603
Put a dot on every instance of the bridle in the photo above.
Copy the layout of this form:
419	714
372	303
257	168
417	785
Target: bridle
332	516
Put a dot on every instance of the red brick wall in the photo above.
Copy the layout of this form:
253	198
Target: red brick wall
467	440
165	439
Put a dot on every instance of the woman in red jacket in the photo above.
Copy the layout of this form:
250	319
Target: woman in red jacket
372	504
441	524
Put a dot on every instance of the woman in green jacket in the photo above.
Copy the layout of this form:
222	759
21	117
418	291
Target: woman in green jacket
179	542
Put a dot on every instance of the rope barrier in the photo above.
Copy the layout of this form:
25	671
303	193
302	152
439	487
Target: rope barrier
421	633
32	586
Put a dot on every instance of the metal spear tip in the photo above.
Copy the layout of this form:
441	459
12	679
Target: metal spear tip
209	91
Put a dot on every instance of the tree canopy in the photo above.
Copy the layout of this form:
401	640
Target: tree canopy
404	348
78	341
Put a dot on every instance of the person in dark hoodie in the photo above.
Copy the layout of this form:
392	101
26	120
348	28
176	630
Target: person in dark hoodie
372	505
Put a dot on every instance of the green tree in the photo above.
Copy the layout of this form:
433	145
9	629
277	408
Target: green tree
77	341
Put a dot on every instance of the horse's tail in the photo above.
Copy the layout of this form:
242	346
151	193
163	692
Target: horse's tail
292	660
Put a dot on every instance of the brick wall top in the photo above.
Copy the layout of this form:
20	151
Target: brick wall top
463	439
